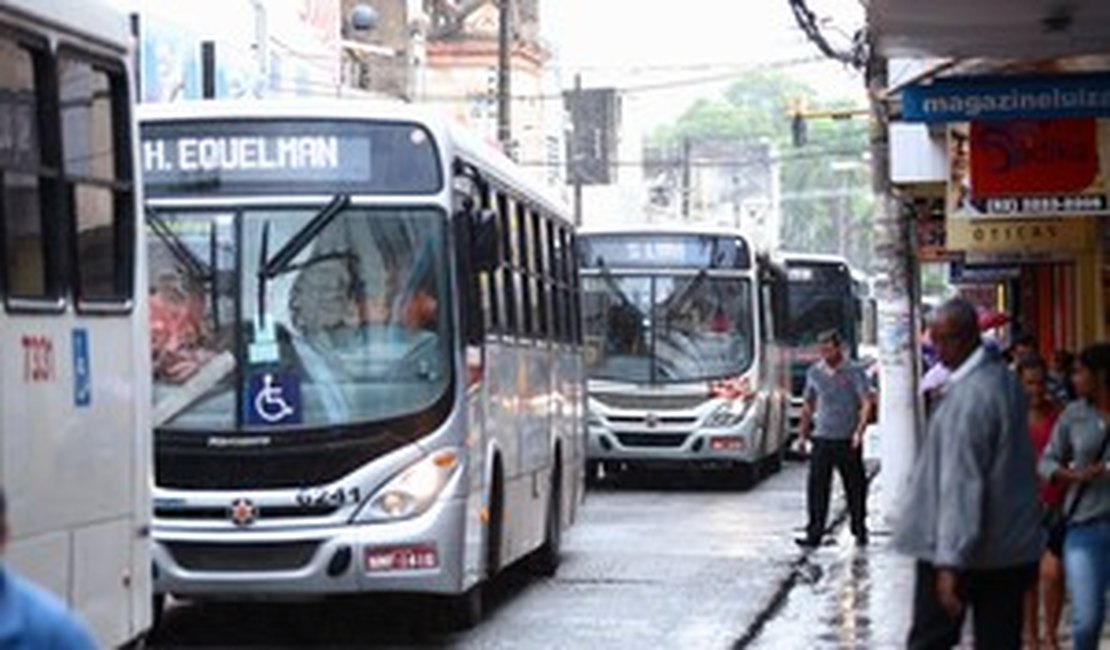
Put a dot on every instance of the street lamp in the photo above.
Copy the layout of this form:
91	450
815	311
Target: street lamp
363	19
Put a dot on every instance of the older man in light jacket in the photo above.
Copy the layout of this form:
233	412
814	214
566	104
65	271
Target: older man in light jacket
972	518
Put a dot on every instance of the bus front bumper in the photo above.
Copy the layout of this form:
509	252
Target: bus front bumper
420	555
707	448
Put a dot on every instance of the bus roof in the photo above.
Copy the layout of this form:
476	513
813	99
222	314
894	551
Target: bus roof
460	141
95	20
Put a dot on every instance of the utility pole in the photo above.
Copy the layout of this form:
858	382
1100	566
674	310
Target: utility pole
897	291
504	75
576	160
208	69
686	179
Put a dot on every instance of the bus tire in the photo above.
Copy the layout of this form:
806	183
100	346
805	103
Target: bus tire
496	522
546	561
592	469
747	475
463	611
157	610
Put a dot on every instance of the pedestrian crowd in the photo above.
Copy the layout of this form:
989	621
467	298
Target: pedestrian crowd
1008	508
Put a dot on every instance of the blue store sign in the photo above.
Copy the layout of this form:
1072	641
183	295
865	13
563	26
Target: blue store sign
963	273
966	99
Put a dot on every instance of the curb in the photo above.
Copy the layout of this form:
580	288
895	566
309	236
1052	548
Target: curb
800	569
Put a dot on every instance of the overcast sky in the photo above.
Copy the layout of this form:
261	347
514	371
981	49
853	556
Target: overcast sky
631	42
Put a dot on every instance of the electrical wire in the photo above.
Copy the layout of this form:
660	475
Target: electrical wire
855	57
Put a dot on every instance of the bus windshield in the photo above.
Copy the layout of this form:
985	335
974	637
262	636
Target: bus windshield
351	326
820	299
667	328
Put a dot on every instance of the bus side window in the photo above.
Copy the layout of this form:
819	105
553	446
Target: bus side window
558	306
473	283
486	285
524	268
506	284
28	176
538	291
576	292
539	245
560	286
95	119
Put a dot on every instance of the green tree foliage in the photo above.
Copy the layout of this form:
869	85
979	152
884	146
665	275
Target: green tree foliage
820	181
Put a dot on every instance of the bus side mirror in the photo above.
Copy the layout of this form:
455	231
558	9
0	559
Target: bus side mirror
484	249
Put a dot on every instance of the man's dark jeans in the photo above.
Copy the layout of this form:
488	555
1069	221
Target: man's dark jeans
994	596
824	456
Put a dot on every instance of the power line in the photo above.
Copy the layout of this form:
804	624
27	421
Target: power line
856	56
621	90
732	164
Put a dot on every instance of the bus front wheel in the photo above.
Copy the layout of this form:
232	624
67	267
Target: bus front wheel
464	611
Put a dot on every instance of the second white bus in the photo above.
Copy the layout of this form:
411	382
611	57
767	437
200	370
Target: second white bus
684	370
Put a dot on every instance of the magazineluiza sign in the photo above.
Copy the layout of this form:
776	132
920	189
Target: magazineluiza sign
965	99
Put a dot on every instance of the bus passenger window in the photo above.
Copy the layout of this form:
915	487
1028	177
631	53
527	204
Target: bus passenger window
22	203
93	106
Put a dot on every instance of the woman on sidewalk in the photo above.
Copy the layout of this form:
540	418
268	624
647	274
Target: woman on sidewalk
1043	413
1077	457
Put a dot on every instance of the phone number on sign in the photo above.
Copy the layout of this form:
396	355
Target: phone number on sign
1047	204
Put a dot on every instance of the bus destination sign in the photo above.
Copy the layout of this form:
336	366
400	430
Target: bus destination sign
287	157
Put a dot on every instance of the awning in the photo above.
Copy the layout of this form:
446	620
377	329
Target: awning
1004	29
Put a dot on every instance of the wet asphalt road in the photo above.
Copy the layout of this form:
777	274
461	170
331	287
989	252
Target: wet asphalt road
649	564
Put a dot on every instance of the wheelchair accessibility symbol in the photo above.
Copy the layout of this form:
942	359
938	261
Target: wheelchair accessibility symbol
273	398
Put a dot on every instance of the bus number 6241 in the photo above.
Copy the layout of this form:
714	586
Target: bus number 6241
340	496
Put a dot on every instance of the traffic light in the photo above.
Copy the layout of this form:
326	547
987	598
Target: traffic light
798	129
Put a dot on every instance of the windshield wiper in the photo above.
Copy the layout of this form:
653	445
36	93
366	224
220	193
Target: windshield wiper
282	261
194	266
284	257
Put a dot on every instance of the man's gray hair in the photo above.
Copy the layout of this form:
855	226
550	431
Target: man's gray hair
962	314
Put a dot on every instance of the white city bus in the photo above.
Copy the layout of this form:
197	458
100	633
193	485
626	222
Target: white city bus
74	388
367	374
682	359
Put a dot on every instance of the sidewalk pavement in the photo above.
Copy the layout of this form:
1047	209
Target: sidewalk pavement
847	598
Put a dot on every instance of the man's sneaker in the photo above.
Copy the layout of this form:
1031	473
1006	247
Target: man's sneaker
807	542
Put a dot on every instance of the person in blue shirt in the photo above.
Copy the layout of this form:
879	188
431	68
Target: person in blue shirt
32	618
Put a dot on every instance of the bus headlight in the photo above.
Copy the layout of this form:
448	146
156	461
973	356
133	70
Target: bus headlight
729	414
414	490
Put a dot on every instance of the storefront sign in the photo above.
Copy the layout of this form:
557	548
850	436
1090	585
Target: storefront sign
1029	167
963	99
929	217
1034	236
963	273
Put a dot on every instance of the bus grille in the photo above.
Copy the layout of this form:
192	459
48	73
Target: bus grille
651	439
264	512
242	557
656	402
664	420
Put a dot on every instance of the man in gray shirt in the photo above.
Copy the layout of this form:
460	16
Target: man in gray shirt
972	515
838	397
